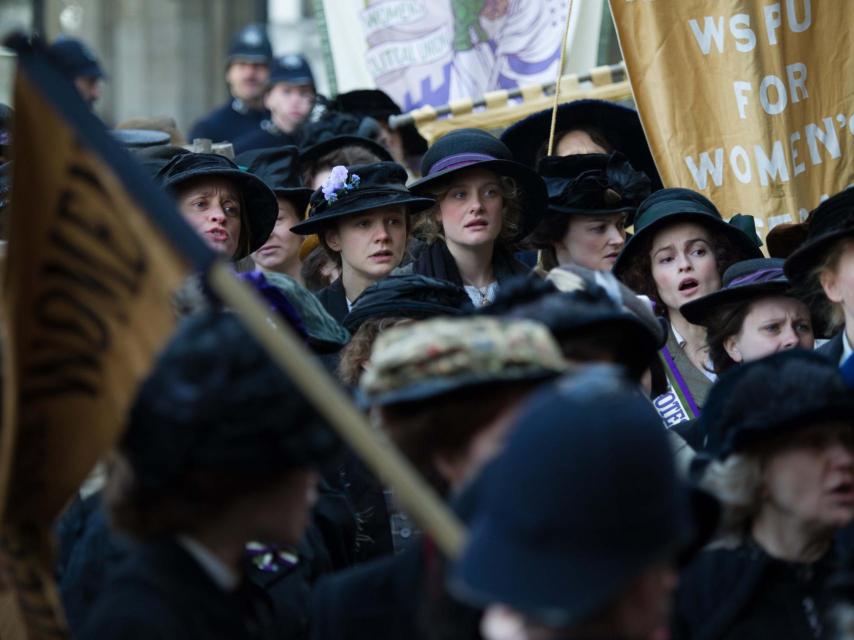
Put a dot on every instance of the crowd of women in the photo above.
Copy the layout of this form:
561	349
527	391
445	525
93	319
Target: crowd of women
637	429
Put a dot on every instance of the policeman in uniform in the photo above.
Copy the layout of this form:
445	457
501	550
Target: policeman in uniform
79	63
290	97
247	74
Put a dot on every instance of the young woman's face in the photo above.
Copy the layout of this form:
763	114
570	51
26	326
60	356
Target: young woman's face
371	244
838	283
212	207
592	241
683	264
809	482
772	324
282	247
471	211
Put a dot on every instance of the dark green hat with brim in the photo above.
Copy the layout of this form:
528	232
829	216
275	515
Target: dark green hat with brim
349	191
677	205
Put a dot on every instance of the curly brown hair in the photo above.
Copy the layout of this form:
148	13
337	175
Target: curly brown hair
427	227
638	275
358	351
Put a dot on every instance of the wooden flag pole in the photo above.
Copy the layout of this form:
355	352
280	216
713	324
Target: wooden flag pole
413	493
557	81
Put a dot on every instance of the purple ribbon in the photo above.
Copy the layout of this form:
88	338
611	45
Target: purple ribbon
763	275
680	381
458	160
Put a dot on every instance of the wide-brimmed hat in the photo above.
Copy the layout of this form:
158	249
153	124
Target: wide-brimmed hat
337	130
830	221
593	184
744	281
357	189
407	296
216	402
759	400
261	208
677	205
280	170
559	556
434	357
379	105
620	125
469	148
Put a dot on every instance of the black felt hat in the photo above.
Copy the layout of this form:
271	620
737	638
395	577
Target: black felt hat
620	125
261	206
797	389
407	296
339	130
469	148
379	105
75	58
357	189
744	281
559	556
593	184
216	402
669	206
251	44
280	169
832	220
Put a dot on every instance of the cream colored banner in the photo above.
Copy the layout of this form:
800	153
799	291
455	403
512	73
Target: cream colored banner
750	102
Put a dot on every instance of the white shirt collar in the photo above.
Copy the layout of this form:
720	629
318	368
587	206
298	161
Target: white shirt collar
217	570
846	348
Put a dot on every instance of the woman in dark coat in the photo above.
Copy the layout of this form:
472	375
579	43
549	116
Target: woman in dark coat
220	450
781	431
485	204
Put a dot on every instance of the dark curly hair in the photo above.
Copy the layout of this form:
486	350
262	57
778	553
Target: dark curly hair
638	276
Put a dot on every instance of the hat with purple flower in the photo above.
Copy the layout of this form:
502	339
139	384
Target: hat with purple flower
359	189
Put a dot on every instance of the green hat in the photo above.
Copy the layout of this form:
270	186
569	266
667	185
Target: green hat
434	357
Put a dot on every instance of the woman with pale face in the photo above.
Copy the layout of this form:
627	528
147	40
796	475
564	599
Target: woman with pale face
823	266
592	198
485	204
678	254
233	211
753	315
781	434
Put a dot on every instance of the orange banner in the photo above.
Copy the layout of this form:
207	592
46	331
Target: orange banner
750	103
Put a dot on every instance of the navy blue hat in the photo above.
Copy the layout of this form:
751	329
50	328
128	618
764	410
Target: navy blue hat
140	138
251	44
292	68
744	281
362	187
75	58
558	556
339	130
669	206
261	207
469	148
280	169
620	125
215	401
593	184
830	221
407	296
797	389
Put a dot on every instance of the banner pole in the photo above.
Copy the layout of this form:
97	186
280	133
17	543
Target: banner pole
557	81
410	489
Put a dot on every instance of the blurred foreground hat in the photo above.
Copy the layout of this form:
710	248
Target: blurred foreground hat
251	44
437	356
797	388
560	556
407	296
216	402
75	58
